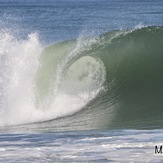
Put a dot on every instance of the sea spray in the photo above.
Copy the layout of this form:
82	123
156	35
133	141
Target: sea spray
18	66
19	70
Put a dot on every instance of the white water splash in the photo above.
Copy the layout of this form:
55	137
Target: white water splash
19	62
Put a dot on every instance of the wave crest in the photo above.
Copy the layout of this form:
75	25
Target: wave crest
116	77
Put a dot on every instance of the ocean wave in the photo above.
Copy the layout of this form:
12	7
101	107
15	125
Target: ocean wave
109	81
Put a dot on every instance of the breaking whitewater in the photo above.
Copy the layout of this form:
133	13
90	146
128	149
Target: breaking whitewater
109	81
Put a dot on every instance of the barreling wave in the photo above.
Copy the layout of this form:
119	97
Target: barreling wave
108	81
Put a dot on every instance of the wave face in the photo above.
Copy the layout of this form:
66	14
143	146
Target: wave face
109	81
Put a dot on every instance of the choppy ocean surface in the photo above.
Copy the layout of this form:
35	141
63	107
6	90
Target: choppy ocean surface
81	81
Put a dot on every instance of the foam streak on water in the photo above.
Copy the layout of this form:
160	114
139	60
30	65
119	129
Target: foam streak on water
92	146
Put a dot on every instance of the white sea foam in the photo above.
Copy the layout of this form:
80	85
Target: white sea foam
90	146
19	62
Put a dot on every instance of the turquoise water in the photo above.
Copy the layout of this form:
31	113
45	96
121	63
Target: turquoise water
81	81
